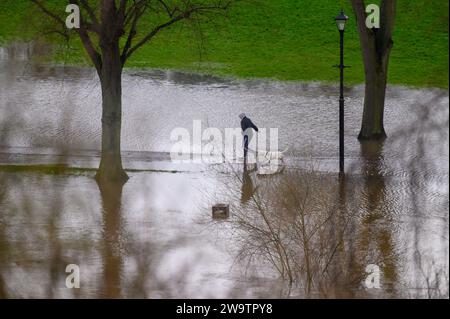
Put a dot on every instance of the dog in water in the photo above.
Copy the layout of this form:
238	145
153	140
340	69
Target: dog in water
270	162
271	156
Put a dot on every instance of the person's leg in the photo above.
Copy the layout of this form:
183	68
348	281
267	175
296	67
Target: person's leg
245	148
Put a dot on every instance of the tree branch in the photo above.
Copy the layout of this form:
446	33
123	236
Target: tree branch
150	35
388	13
92	16
138	10
122	7
360	12
88	45
129	14
182	16
82	32
49	13
110	23
169	12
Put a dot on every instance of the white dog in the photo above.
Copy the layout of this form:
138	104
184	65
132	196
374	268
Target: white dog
269	156
270	162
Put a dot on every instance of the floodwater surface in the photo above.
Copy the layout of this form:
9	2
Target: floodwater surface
153	237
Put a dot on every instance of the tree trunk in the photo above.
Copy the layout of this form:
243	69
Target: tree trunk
376	45
111	83
102	25
372	127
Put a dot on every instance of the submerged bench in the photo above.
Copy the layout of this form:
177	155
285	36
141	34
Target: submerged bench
221	211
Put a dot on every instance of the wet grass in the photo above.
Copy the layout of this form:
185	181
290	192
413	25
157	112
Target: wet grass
62	169
48	169
284	40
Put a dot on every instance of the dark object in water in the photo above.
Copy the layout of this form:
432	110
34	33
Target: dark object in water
221	211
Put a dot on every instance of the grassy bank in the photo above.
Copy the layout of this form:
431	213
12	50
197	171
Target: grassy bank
63	169
284	39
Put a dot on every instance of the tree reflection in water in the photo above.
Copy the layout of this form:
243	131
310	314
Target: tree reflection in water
293	224
319	231
113	250
375	236
248	188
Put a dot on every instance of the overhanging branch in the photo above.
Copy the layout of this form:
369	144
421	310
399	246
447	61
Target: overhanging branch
173	19
52	15
82	32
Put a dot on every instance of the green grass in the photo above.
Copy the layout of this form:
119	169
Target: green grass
63	169
46	169
283	39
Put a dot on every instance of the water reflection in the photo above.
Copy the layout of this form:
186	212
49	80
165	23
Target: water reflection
3	242
305	233
376	233
319	232
248	188
113	232
313	231
151	96
291	225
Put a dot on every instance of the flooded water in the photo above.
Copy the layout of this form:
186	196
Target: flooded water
154	238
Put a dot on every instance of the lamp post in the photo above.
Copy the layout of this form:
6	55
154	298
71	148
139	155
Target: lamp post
341	19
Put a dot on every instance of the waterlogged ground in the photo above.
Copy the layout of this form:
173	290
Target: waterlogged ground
154	237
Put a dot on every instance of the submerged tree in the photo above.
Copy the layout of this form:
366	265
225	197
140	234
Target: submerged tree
103	26
376	45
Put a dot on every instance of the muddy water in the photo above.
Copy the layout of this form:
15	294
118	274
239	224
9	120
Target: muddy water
154	237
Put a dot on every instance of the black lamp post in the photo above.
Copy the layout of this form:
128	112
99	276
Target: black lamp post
341	19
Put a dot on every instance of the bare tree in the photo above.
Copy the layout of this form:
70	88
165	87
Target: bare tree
376	45
103	24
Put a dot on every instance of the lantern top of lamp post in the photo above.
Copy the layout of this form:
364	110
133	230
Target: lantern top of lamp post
340	20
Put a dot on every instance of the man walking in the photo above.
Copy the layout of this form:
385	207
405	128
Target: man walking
247	126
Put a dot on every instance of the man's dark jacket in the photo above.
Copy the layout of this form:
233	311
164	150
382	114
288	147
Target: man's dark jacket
247	123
